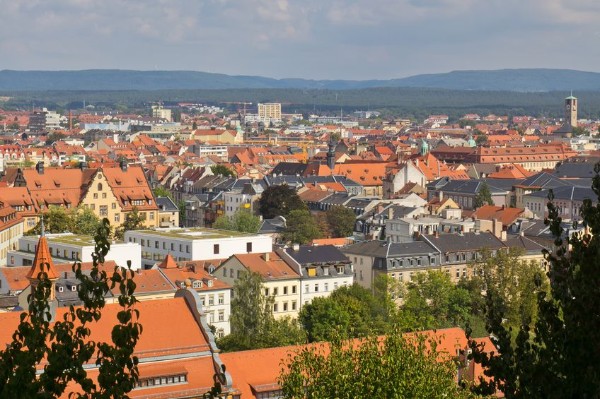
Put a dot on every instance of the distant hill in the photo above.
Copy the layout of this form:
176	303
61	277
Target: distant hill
520	80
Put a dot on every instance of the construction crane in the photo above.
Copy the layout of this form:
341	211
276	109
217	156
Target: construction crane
238	103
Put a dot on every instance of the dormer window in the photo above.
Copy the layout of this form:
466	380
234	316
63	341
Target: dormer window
73	288
61	288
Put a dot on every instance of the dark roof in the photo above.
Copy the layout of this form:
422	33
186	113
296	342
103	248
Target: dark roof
316	254
544	180
275	225
570	193
384	249
530	246
469	187
289	169
577	168
464	242
166	204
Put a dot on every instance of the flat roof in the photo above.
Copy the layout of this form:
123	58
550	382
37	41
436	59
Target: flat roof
195	233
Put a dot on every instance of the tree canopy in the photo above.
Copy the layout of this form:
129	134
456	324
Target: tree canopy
222	170
133	221
64	348
341	220
279	201
301	227
399	367
241	220
557	355
58	219
483	197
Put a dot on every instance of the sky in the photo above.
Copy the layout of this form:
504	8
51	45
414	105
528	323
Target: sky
314	39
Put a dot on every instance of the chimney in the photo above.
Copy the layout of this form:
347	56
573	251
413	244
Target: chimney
296	247
503	235
40	167
497	228
437	234
266	256
123	164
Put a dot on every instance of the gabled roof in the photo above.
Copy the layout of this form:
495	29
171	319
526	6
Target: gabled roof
506	215
272	269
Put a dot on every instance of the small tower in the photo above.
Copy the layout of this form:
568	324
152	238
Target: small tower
571	110
43	262
424	147
331	155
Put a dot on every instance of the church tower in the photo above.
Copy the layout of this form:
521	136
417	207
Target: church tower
43	262
571	110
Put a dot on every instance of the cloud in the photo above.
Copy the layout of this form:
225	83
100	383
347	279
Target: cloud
300	38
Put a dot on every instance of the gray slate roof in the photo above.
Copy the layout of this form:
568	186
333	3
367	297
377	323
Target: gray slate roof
317	254
465	242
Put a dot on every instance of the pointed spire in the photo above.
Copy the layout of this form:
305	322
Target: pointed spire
42	260
168	263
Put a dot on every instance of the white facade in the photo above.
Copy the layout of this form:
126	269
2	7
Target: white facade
195	244
9	238
67	247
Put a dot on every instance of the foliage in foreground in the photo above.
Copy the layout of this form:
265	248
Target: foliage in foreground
242	221
399	367
557	356
65	345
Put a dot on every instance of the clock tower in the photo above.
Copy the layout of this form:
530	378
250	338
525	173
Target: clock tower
571	110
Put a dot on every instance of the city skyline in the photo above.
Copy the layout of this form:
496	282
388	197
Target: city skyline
380	39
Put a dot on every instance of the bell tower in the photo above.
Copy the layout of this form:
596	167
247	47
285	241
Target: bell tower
571	110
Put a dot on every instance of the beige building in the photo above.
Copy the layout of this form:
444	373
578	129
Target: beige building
268	112
279	279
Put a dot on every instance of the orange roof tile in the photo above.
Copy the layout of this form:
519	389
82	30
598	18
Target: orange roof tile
42	261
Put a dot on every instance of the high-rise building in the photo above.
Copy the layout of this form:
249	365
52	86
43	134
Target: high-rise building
268	112
571	110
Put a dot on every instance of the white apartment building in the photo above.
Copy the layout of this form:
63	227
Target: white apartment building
195	244
322	270
68	247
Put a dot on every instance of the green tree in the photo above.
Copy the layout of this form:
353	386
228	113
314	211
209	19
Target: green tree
483	197
222	170
557	355
64	347
252	323
481	139
56	220
54	137
160	191
433	301
349	312
279	201
85	221
341	220
399	367
133	221
301	227
579	131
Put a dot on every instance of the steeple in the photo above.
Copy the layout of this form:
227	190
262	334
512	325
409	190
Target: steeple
42	262
331	154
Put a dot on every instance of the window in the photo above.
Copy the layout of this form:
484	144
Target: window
113	205
156	244
143	242
275	307
248	247
293	289
316	287
306	288
95	195
335	285
293	305
221	315
216	249
151	215
99	186
326	287
221	299
275	291
211	300
285	306
266	292
230	273
103	195
285	290
187	249
172	246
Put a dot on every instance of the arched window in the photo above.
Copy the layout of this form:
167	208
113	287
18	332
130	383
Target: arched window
99	186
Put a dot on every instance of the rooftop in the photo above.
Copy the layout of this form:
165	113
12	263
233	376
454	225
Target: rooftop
194	233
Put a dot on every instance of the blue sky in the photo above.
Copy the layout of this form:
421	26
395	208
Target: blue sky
319	39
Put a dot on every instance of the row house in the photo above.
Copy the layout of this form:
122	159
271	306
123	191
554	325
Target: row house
531	158
568	200
11	229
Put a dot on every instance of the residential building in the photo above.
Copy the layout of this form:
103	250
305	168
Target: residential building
322	269
168	212
11	229
568	200
214	293
245	199
280	280
195	244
